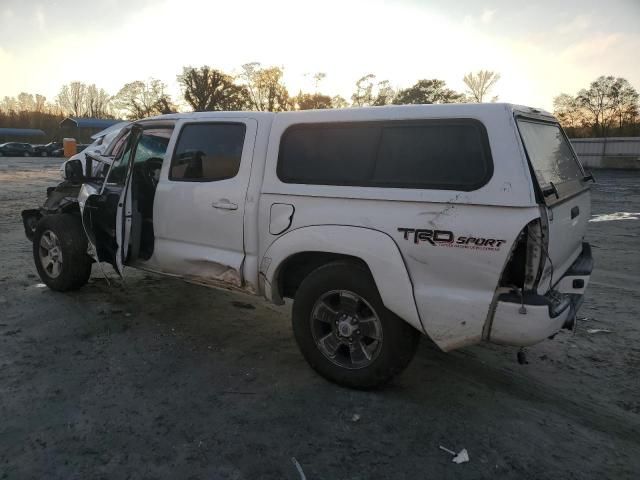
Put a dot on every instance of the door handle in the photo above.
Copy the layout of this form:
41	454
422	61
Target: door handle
224	204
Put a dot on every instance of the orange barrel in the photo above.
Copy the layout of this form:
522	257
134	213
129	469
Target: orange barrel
70	147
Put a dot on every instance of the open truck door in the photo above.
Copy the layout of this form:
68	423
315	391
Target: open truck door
107	211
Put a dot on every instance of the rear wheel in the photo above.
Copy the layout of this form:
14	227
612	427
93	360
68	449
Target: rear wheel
60	252
345	332
25	154
43	154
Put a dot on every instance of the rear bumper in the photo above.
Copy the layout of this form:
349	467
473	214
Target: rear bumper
527	319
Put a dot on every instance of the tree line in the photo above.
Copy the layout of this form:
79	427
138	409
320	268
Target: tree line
608	107
255	87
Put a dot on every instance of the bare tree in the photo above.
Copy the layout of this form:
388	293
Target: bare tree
72	99
568	111
40	103
26	103
363	95
625	102
609	100
97	102
480	83
207	89
370	92
143	99
9	104
385	94
338	101
265	88
317	78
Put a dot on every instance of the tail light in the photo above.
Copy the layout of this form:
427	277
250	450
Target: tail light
524	267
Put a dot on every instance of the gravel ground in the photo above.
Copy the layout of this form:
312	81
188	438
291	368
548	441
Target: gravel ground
156	378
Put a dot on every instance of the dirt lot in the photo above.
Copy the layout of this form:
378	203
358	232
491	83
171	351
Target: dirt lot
160	379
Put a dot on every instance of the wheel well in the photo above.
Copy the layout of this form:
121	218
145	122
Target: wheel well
71	207
296	268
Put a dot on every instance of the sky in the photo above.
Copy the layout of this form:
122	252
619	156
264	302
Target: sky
540	48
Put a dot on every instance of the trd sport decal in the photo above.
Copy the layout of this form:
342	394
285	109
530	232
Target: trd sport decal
445	238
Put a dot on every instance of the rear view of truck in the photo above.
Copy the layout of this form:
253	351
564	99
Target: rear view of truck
546	277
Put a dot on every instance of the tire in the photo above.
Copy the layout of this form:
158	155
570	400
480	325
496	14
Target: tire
25	154
60	252
335	304
43	154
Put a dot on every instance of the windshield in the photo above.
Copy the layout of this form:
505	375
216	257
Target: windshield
550	154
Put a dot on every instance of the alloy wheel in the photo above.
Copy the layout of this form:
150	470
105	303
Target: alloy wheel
346	329
50	253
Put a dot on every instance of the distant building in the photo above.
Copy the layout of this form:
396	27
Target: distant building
612	152
83	128
26	135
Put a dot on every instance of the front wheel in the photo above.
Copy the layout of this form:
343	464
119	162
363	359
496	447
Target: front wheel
344	331
60	252
43	154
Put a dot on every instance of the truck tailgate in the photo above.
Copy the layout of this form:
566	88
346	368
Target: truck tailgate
567	227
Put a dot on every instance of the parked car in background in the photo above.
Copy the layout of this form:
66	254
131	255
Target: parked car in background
16	149
59	152
48	150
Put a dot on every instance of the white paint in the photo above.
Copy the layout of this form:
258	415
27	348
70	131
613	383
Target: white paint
566	235
511	327
280	218
199	226
377	249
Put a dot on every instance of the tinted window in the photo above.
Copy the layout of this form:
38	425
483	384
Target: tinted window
549	153
424	154
208	151
437	156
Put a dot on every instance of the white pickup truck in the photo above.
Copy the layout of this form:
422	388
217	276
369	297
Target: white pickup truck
464	223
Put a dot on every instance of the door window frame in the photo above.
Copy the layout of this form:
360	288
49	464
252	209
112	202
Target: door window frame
206	122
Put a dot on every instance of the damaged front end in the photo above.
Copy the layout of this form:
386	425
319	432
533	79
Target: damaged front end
63	198
60	199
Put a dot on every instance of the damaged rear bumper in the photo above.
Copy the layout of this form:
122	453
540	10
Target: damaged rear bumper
529	318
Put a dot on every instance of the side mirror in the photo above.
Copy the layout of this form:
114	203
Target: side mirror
73	171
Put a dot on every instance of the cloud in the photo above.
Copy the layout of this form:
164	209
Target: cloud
577	24
40	18
487	16
401	42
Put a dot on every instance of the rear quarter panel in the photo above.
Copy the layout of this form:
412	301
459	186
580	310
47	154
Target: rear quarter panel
453	282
